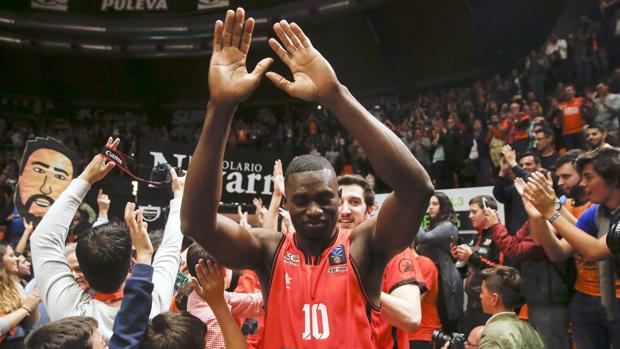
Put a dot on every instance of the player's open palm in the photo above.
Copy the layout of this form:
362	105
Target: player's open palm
313	77
229	79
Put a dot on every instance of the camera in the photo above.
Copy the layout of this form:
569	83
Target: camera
250	326
456	340
161	173
613	239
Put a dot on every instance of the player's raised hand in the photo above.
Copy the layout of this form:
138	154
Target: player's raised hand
313	77
229	79
99	167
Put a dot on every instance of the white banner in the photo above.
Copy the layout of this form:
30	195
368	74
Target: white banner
460	201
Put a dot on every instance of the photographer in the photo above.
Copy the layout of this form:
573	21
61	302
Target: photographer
481	253
501	293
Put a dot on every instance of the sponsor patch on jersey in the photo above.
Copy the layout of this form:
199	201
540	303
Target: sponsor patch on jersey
291	258
405	265
483	250
487	242
337	269
337	256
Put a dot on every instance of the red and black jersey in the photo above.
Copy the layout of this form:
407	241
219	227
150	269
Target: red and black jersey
317	301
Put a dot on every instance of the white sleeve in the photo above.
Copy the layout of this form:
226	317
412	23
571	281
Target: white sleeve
59	291
167	261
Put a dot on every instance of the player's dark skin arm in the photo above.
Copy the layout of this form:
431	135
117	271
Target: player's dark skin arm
229	84
377	240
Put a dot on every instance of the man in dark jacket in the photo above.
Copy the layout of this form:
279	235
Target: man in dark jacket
504	189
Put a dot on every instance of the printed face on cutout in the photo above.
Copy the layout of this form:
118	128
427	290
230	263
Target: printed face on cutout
46	174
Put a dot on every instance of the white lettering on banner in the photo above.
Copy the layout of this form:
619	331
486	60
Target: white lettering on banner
159	158
234	173
234	183
251	178
134	5
242	166
236	186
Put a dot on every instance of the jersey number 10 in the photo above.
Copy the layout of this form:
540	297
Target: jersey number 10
311	322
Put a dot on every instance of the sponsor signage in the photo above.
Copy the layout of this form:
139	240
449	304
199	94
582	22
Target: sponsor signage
460	201
246	175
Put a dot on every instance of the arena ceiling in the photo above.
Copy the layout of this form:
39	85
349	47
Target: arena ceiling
140	52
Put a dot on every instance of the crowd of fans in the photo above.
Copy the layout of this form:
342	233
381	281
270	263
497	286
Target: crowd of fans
457	133
547	149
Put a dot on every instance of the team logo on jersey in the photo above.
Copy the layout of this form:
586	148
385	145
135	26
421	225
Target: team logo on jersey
405	265
487	242
291	258
337	256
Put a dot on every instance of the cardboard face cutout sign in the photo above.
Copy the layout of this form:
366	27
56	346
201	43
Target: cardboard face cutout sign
46	169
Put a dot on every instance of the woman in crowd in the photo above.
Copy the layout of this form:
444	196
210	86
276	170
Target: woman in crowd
18	312
434	243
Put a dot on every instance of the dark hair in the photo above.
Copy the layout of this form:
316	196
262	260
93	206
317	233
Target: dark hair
491	203
596	126
605	162
156	236
506	281
369	194
570	156
306	163
529	153
104	254
446	211
546	130
180	300
195	253
68	333
48	143
175	330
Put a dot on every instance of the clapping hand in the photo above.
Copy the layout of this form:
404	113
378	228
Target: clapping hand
541	194
530	209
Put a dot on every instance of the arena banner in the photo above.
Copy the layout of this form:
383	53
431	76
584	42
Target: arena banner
460	201
117	6
47	167
246	175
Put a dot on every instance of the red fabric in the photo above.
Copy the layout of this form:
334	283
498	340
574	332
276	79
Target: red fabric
402	269
430	315
11	333
572	121
248	283
519	247
316	301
